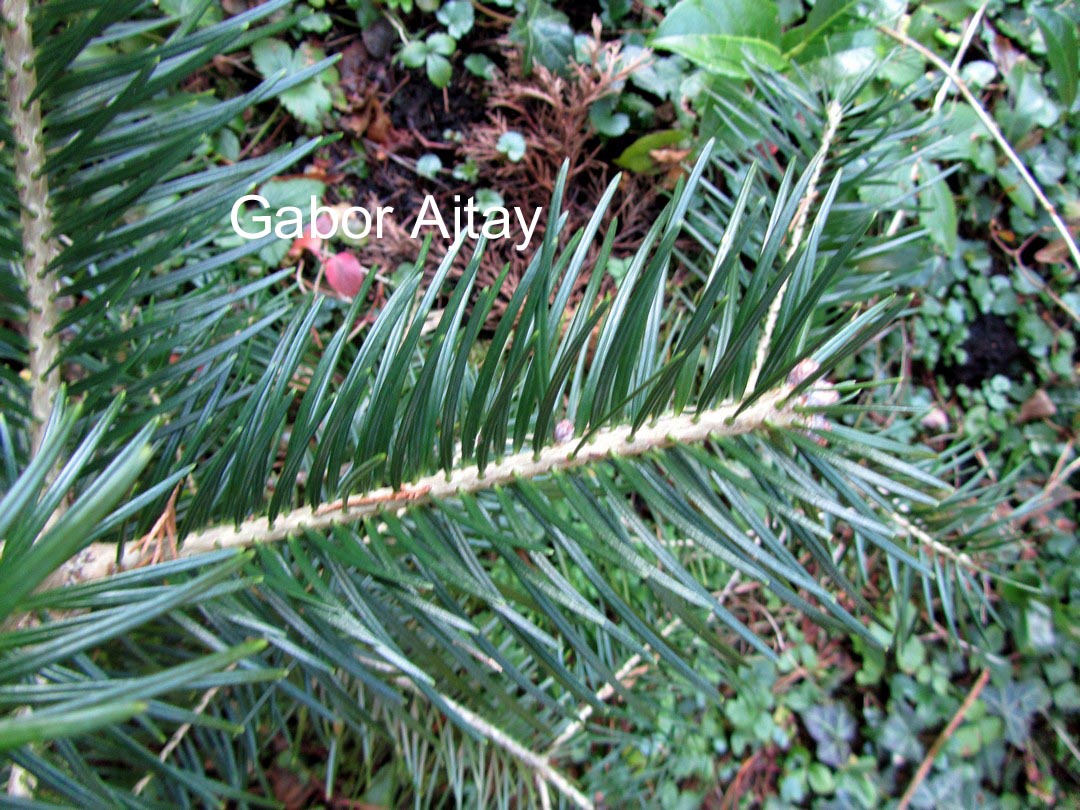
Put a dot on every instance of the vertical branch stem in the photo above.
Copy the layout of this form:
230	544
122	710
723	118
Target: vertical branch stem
798	227
35	217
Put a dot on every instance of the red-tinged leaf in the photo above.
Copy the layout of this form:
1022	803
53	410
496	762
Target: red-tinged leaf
309	241
345	274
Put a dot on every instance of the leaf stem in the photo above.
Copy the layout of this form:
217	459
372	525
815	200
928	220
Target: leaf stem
631	668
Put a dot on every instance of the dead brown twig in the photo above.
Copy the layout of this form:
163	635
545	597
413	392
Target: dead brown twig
163	530
942	738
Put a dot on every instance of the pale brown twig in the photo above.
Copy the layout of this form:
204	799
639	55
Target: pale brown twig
939	101
942	738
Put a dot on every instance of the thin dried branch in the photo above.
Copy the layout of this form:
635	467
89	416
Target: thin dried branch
632	668
995	133
939	99
537	762
179	734
942	738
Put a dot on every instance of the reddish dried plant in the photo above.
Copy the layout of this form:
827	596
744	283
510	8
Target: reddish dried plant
551	112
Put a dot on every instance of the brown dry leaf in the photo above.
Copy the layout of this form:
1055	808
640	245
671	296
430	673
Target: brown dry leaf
381	127
223	65
356	124
668	156
1056	252
1038	406
351	72
290	789
1004	53
371	121
670	160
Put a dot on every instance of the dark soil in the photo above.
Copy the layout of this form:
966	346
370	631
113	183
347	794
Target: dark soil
580	14
422	108
991	349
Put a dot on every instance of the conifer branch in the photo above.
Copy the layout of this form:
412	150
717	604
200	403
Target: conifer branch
35	219
98	560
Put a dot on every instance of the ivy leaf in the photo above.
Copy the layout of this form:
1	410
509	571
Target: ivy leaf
457	16
1061	48
1031	105
942	791
724	37
308	101
545	36
511	144
1016	703
833	729
438	70
662	76
481	66
607	122
899	735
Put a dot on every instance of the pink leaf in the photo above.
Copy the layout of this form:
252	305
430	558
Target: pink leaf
311	242
345	274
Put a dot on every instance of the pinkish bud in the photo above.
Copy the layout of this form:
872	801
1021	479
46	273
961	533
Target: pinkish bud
309	241
564	431
805	369
936	419
345	274
822	396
